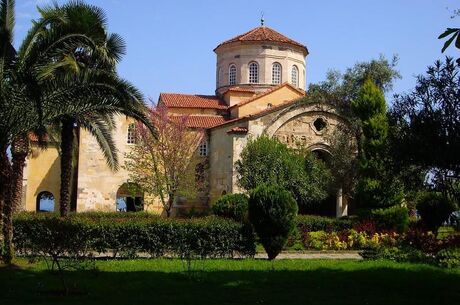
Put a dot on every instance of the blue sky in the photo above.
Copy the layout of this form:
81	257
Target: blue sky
170	42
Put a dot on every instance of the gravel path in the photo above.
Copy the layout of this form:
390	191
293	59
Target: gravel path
315	255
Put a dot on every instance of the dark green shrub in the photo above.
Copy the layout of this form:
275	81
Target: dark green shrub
434	209
311	223
448	258
234	206
395	218
126	235
272	212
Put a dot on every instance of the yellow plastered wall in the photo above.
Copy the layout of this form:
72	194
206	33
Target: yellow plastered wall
235	97
43	174
274	98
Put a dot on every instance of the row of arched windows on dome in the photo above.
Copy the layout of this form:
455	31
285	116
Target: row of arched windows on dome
254	74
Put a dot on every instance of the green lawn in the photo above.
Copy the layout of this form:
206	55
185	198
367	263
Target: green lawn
163	281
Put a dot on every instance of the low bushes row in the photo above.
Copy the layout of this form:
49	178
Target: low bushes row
82	235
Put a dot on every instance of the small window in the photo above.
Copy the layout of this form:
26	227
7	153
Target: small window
45	202
295	76
203	149
131	134
232	75
269	105
319	124
253	73
276	74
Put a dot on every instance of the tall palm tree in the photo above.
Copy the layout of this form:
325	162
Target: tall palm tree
99	53
37	91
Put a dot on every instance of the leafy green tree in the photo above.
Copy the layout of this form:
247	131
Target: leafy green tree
267	161
272	212
454	34
342	88
435	208
377	186
427	124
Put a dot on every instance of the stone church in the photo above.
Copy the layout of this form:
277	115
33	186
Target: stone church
260	80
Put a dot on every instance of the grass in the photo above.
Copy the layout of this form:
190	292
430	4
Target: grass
164	281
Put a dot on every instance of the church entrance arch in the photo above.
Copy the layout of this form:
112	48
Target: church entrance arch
130	198
309	125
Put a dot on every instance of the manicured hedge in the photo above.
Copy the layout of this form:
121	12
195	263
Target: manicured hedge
81	235
311	223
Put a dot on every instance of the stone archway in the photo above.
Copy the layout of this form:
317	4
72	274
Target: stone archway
308	126
130	198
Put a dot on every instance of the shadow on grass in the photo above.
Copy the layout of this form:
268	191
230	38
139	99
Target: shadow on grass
318	286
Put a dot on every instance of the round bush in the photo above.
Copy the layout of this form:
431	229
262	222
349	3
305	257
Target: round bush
234	206
272	212
393	218
434	209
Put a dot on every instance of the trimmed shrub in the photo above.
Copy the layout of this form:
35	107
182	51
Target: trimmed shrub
434	209
395	218
234	206
272	212
80	235
311	223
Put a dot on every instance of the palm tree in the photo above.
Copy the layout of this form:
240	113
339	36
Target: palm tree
99	54
37	90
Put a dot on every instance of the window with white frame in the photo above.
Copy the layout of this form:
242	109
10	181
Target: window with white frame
131	139
276	74
232	75
295	76
253	73
203	148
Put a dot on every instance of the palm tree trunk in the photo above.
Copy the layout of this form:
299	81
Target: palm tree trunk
5	194
66	165
19	150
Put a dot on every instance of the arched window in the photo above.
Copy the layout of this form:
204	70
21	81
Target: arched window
232	75
276	74
45	202
131	139
295	76
253	73
130	198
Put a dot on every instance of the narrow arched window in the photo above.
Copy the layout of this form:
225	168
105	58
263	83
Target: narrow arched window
131	139
232	75
295	76
253	73
276	74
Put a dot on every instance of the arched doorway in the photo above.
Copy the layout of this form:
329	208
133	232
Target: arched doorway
130	198
45	202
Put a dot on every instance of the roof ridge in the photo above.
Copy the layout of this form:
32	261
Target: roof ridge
262	94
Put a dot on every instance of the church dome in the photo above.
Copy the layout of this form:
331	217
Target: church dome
263	34
260	59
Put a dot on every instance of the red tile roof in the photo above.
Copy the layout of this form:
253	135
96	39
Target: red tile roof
240	89
255	97
263	33
201	121
238	129
176	100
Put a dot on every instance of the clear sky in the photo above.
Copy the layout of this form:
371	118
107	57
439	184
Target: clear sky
170	42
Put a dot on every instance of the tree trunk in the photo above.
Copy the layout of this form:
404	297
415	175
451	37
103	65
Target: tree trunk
7	219
66	165
19	150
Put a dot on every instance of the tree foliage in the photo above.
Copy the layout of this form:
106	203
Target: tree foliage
268	161
428	119
377	185
272	212
162	164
